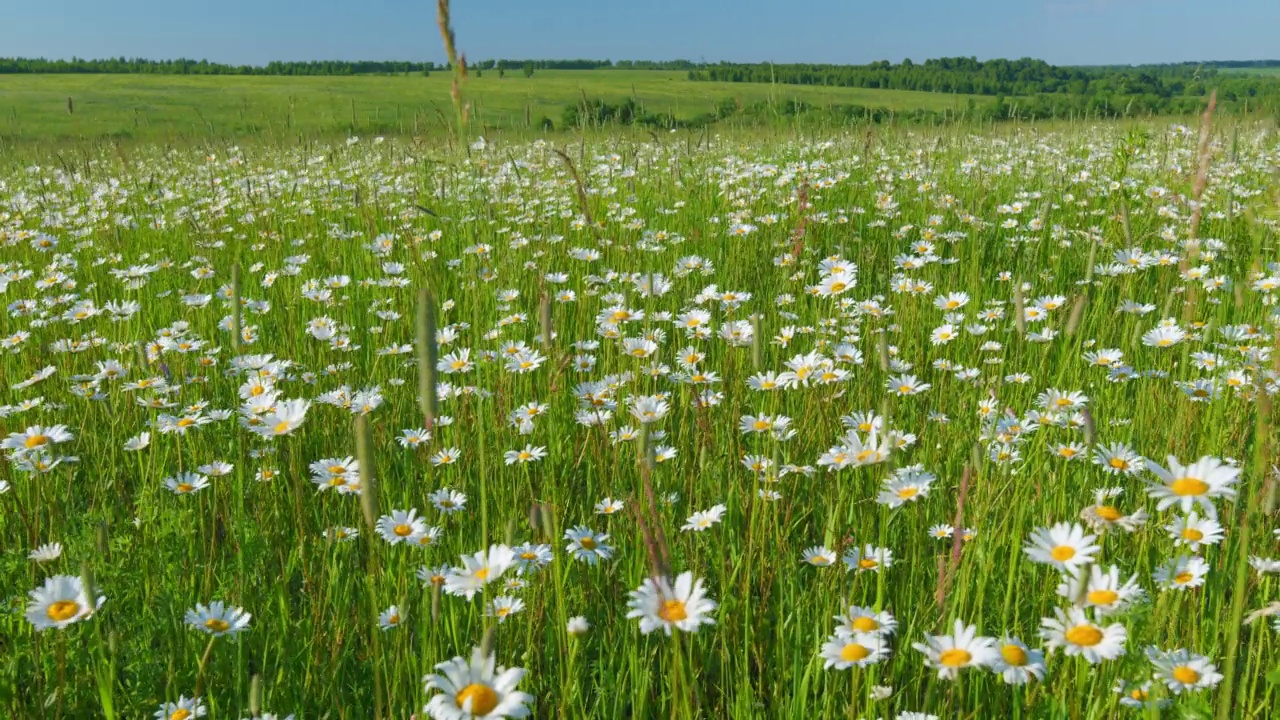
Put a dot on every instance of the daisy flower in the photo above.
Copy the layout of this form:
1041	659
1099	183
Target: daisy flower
868	558
1064	546
858	620
389	618
478	570
1100	589
1186	486
401	526
960	649
217	619
476	688
1016	663
704	519
1194	531
588	545
46	553
608	506
1182	573
845	651
503	607
448	501
1077	634
819	556
185	709
682	605
59	603
1183	671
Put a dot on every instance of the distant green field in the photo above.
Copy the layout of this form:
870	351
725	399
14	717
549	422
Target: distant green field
1271	71
34	108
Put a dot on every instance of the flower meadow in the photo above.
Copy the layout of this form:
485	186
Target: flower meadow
931	423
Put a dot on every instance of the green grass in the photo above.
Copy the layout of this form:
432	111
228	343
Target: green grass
33	108
483	231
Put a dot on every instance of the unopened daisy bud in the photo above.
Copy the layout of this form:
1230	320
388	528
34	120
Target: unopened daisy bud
236	336
1077	312
255	695
86	581
544	319
1019	309
435	603
489	642
364	461
427	351
756	352
534	517
545	513
101	539
1090	430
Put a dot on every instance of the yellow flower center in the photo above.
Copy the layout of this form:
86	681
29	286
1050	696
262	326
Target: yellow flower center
1192	534
1084	635
63	610
528	556
673	611
1183	577
1118	463
904	389
907	493
588	543
1062	553
1138	694
185	487
1108	513
217	624
482	697
1185	675
482	574
281	428
853	652
1014	655
865	624
403	530
36	441
1102	597
954	658
838	286
180	714
1189	486
867	563
761	425
186	422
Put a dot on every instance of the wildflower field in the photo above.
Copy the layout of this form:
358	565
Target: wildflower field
862	423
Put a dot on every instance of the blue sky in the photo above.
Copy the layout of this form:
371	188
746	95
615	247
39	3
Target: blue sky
838	31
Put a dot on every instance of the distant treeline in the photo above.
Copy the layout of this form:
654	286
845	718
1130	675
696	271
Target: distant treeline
184	66
1096	90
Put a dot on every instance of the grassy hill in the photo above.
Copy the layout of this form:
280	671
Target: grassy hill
34	108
